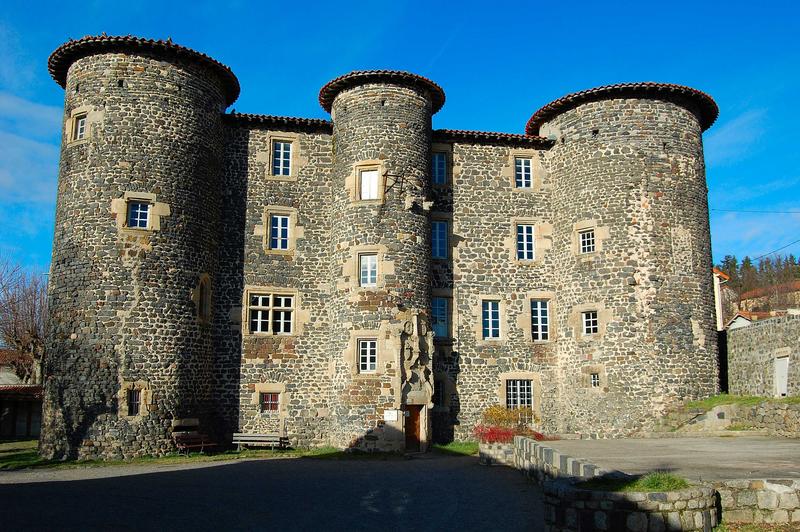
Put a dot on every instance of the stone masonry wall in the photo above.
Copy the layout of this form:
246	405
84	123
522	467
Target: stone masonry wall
752	351
120	311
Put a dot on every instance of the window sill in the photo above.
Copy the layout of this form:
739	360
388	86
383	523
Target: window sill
285	178
281	252
268	335
77	142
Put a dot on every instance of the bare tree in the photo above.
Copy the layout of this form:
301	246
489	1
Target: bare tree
23	306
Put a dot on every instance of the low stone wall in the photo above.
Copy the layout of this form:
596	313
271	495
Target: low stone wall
778	419
568	508
496	454
760	501
538	460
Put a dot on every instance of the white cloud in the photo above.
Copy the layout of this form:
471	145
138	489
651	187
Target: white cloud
28	170
733	140
753	234
27	118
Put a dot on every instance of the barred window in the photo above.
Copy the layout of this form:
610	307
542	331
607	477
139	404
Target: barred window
134	401
439	165
490	311
279	231
439	239
281	158
540	319
440	317
595	380
586	243
525	242
522	172
138	214
268	401
367	355
271	313
519	393
591	324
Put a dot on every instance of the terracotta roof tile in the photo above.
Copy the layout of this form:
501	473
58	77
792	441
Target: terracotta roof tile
288	122
490	137
360	77
793	286
21	390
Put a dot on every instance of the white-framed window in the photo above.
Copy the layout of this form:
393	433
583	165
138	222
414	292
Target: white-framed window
79	127
269	401
439	231
439	166
540	319
440	317
279	231
138	214
490	315
519	393
525	242
367	355
368	269
271	313
594	380
281	157
586	242
591	324
368	184
522	172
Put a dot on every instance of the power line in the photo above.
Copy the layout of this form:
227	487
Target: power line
766	212
771	252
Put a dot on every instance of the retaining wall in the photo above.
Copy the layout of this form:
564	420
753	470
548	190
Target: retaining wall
760	501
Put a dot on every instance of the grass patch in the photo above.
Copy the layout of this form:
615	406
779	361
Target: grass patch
753	527
739	426
457	448
656	481
744	400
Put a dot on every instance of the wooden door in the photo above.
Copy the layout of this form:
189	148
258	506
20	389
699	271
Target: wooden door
412	427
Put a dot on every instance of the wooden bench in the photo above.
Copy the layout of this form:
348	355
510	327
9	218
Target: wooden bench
260	440
187	440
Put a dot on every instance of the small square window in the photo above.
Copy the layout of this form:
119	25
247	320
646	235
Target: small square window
79	127
490	311
595	380
138	214
134	402
540	319
525	242
281	158
368	270
440	317
522	172
279	231
439	232
368	184
367	355
439	166
591	324
268	401
586	243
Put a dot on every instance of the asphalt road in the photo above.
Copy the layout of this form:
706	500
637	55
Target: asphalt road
430	493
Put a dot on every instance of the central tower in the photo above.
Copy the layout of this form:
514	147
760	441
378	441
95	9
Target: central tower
381	343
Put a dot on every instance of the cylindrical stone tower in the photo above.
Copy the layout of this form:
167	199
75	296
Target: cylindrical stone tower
129	342
381	345
632	252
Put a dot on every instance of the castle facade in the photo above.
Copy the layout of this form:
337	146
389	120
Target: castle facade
366	282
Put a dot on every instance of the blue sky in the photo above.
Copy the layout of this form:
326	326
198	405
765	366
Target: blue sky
498	62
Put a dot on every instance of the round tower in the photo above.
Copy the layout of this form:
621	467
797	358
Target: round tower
131	285
632	252
381	342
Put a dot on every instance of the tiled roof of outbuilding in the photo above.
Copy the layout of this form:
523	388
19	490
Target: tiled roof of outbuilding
21	390
360	77
706	107
278	122
69	52
490	137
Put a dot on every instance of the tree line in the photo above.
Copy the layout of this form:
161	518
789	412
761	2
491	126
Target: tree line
750	274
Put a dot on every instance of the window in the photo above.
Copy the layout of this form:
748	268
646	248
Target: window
591	324
368	184
268	401
519	393
367	355
134	401
594	380
281	158
540	319
79	127
271	313
204	299
440	317
138	214
490	311
586	241
439	164
522	172
368	269
439	239
525	247
278	231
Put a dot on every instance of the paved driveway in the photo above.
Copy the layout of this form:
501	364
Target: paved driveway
429	493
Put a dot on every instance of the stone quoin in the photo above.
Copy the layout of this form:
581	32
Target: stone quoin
365	282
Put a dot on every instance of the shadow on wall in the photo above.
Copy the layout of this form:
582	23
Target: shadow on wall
447	404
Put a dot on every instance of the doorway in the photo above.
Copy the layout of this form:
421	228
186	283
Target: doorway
412	427
781	376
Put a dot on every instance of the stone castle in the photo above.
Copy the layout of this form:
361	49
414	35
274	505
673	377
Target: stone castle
366	282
